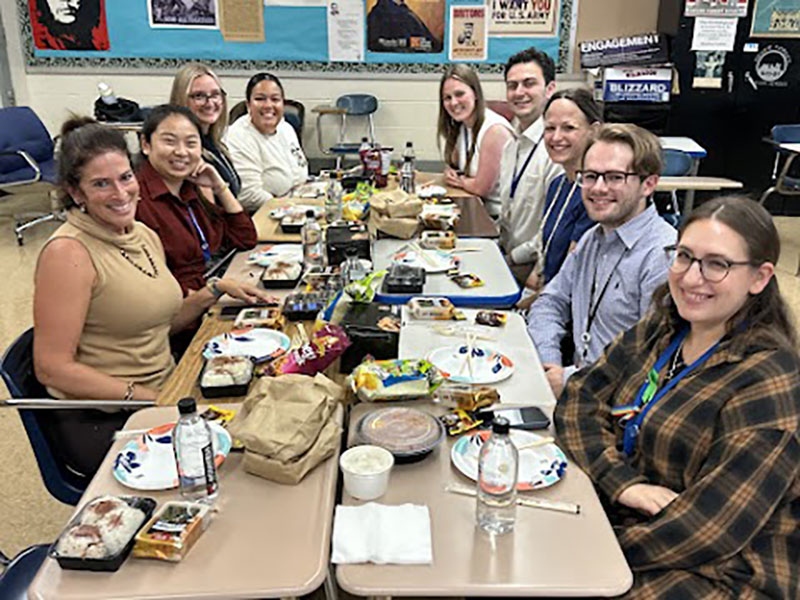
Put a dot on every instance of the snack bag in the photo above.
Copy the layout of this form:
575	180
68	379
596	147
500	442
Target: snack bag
394	379
467	280
460	421
363	291
491	318
325	346
467	397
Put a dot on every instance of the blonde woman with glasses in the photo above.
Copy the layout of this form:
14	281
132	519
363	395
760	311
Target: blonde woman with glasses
199	89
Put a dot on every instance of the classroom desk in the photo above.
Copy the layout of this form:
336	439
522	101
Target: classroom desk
693	149
499	289
696	182
795	148
268	540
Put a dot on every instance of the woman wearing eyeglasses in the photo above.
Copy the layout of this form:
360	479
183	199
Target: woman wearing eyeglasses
198	88
689	423
264	147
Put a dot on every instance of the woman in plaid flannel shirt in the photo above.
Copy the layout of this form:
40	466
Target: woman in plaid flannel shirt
688	423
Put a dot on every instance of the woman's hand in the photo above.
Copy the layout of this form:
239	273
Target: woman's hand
245	291
647	498
205	175
453	178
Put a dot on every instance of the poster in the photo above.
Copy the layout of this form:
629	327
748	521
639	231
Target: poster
711	33
716	8
647	48
523	17
771	66
776	18
241	20
708	69
637	84
69	24
192	14
405	26
345	30
469	36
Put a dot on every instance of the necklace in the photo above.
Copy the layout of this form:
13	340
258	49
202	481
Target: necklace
677	361
153	266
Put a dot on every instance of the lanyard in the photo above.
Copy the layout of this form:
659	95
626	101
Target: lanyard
203	242
466	150
516	177
649	393
560	214
586	336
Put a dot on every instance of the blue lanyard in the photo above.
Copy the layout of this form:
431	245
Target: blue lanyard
516	177
649	393
203	242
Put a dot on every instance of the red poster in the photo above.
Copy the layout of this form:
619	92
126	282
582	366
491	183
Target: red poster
69	24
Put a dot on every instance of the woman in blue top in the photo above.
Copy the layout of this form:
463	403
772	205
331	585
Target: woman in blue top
570	116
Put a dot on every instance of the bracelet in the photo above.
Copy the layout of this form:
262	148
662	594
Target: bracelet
225	186
129	392
212	286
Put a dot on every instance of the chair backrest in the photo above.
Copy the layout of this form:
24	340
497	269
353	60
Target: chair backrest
239	110
502	108
786	134
16	368
358	104
21	129
295	114
17	577
677	163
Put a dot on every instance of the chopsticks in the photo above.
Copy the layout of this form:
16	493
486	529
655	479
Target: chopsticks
554	505
126	433
535	444
470	343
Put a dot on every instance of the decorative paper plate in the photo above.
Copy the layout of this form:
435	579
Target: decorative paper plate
148	462
539	467
489	365
433	261
405	432
259	344
268	255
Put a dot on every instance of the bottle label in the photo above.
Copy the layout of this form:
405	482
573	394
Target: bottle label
209	468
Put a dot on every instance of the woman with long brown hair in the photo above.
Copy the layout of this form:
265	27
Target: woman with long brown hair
473	136
688	424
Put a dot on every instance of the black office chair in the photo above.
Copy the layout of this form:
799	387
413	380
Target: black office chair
17	371
786	182
19	572
293	111
27	159
349	105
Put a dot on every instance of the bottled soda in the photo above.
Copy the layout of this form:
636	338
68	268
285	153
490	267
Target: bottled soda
362	155
194	454
497	480
407	175
313	250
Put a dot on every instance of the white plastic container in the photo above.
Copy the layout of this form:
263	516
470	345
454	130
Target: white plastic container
366	471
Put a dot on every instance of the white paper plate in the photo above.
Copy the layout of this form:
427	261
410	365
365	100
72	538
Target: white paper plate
278	252
539	467
433	261
489	365
148	462
258	344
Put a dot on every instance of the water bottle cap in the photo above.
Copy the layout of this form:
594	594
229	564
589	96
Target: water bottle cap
409	144
500	425
187	406
310	213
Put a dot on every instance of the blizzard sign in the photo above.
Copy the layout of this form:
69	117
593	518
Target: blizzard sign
644	49
637	85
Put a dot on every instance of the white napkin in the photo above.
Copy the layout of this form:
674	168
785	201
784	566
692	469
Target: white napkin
382	534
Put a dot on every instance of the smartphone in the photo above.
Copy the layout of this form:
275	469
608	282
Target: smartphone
529	417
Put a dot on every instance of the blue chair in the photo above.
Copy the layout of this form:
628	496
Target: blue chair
26	159
20	571
786	182
17	371
349	105
677	163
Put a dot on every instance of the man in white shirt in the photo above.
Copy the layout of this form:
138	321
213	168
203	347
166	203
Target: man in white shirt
525	169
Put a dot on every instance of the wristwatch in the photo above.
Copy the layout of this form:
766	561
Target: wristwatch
211	284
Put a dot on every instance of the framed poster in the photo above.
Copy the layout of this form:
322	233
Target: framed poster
523	17
69	25
776	18
468	34
716	8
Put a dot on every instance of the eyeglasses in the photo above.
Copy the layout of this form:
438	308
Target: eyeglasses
613	179
713	268
203	98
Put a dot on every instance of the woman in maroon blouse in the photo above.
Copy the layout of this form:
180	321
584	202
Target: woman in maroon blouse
188	204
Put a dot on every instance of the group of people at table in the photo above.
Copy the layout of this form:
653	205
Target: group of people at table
679	394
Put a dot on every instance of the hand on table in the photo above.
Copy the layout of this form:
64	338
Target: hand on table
555	377
453	178
647	498
245	291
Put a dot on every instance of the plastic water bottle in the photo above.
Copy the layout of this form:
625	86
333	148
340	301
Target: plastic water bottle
106	93
352	268
194	454
497	481
407	175
333	199
313	251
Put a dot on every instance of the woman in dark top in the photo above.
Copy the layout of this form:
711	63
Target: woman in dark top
198	88
186	201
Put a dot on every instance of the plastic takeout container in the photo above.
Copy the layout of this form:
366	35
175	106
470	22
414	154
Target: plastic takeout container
366	471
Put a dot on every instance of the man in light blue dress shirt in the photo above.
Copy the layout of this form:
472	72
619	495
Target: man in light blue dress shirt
605	285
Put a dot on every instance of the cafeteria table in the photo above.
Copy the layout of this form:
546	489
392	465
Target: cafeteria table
268	540
481	257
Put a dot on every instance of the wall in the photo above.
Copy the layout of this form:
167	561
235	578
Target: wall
408	105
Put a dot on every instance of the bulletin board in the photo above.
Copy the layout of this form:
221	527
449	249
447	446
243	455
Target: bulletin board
295	40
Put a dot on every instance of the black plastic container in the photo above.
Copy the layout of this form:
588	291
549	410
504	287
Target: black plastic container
280	284
340	237
223	391
404	279
360	322
113	563
289	225
304	306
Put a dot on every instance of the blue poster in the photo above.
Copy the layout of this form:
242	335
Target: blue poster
776	18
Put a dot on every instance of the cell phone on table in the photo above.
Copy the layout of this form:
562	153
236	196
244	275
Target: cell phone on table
529	417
